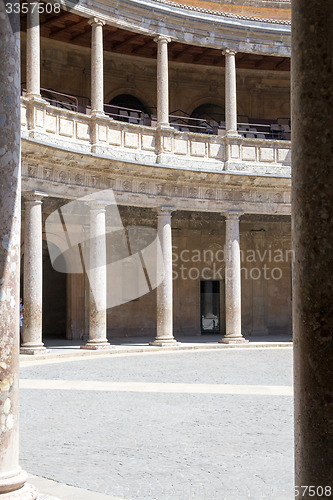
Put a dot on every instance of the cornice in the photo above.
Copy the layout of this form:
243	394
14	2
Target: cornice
193	25
225	14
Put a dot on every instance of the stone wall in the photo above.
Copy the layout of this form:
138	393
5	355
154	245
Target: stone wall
198	245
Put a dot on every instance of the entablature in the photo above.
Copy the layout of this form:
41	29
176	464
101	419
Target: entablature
68	174
259	33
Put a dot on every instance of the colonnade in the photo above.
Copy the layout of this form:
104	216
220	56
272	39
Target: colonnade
313	207
33	282
97	78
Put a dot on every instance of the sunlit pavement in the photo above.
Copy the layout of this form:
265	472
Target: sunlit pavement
197	424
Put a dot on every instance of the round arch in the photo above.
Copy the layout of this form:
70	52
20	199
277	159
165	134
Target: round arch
127	107
209	111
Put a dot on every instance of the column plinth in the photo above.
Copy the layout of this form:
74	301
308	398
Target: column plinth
230	93
97	280
233	333
97	77
164	291
33	275
12	478
162	82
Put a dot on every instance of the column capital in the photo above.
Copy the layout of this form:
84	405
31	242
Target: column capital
97	205
95	21
233	214
165	211
229	52
34	196
162	38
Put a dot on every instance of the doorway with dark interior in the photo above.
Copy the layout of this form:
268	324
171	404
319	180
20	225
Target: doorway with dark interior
211	306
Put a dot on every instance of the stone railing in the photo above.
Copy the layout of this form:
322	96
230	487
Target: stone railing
150	146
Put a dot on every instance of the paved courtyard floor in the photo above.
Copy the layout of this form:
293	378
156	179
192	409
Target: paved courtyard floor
204	425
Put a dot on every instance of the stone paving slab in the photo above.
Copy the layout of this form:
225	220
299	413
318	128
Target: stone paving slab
233	367
160	445
52	490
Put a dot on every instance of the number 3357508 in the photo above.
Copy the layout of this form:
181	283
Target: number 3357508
25	7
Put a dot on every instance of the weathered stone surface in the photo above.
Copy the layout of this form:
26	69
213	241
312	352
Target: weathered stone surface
164	308
312	229
97	279
97	84
230	93
12	478
33	274
233	309
162	81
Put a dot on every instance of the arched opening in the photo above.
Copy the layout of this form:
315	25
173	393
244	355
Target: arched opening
211	113
54	297
127	108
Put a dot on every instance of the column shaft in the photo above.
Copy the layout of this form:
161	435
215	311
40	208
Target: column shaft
33	51
230	93
233	281
33	275
97	280
97	77
12	478
162	81
165	289
312	233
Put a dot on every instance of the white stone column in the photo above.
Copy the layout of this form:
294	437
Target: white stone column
233	333
33	275
33	51
230	93
164	291
162	81
12	478
97	279
97	77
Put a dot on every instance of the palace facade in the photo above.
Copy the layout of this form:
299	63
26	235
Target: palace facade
183	110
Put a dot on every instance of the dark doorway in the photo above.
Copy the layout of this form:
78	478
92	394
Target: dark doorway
210	306
54	299
127	108
209	112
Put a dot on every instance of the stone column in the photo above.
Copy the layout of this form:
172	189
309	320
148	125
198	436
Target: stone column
33	51
33	275
162	81
12	478
97	78
164	291
312	233
230	93
233	333
97	279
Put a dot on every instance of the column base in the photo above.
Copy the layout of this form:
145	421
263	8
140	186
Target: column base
36	98
233	135
28	492
164	342
99	114
233	340
14	486
33	349
96	346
